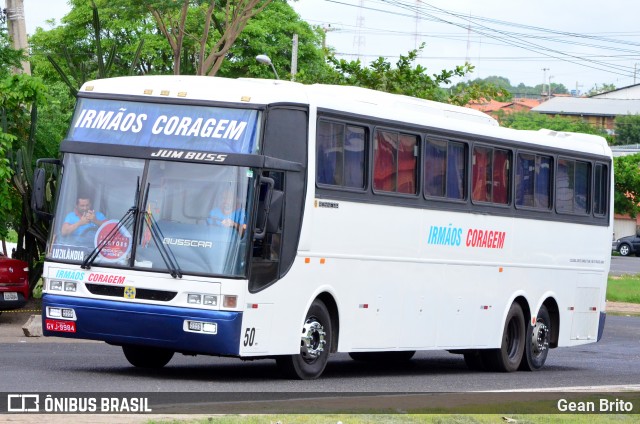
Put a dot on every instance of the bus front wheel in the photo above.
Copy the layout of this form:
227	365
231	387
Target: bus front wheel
315	344
508	357
537	342
147	357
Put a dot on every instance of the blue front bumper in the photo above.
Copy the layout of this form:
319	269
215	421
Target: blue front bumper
148	325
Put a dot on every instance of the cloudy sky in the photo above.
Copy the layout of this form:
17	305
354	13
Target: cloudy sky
576	43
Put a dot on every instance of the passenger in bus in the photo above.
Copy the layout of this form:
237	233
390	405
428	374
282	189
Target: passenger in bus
82	218
227	214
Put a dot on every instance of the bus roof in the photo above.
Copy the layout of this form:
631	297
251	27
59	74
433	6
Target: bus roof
355	100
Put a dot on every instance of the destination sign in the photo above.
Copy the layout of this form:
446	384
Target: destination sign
162	125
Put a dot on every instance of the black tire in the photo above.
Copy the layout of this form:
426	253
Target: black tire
400	356
147	357
508	357
537	341
473	359
315	345
624	249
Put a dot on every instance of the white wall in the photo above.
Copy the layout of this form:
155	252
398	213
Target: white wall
623	227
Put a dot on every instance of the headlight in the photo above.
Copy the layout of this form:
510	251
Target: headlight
55	285
194	298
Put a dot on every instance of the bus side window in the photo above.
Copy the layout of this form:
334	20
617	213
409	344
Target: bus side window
480	188
600	190
329	158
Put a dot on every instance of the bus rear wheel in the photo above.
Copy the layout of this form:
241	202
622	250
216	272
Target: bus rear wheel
147	357
315	344
508	357
537	342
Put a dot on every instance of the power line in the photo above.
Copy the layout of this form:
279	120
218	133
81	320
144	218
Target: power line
519	39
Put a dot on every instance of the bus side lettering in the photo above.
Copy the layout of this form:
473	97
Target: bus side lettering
486	239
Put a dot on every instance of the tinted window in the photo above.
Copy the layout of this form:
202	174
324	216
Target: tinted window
490	175
572	186
444	169
340	155
533	181
600	192
395	162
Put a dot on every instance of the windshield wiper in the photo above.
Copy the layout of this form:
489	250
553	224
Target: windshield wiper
124	221
158	238
165	251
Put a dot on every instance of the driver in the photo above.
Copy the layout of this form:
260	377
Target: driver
82	218
227	215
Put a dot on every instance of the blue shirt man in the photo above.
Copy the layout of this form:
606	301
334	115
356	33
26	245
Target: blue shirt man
81	219
227	216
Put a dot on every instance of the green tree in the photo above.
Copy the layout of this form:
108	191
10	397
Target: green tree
21	97
94	45
73	44
9	58
410	79
627	184
261	36
535	121
208	28
601	89
627	129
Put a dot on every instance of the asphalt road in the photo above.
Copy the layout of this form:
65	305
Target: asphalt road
34	365
621	265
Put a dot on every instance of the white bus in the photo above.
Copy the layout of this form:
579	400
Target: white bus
269	219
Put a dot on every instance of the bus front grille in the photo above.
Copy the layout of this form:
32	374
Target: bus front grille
119	291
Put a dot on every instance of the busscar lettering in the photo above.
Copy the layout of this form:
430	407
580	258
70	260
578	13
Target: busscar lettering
186	242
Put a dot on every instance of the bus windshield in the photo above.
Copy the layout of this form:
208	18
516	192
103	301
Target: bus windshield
192	216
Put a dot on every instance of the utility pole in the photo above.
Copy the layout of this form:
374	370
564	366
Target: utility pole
416	36
358	40
294	57
18	30
544	81
550	76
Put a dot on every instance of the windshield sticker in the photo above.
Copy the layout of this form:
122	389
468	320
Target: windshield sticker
73	253
165	126
118	246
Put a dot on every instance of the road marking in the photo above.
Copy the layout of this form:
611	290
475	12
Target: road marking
606	388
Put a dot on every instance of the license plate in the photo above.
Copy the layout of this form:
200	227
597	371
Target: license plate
10	296
63	326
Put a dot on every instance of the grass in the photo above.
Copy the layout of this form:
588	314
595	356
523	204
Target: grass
411	418
625	288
